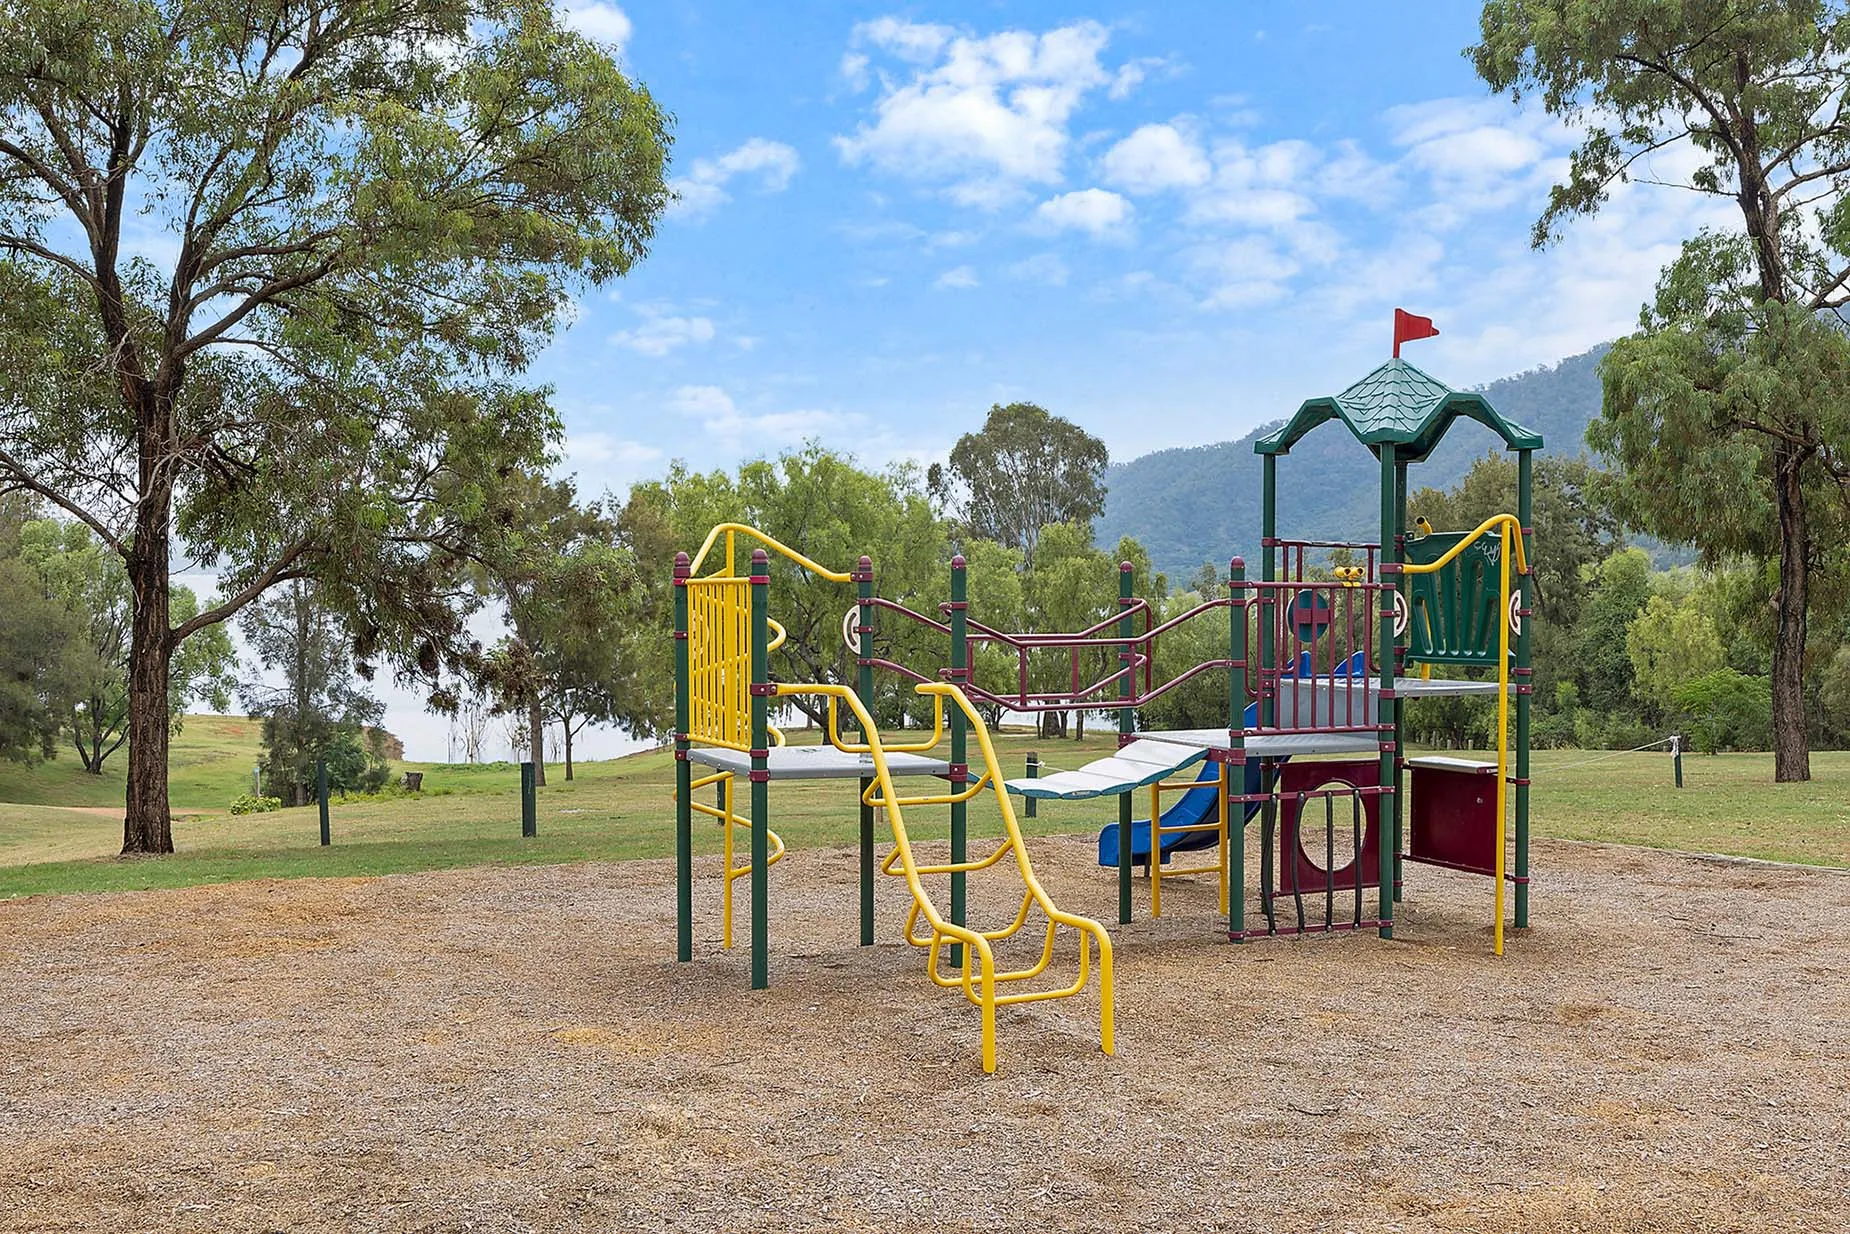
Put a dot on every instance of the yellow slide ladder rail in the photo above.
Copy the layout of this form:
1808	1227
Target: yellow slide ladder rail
1509	528
979	976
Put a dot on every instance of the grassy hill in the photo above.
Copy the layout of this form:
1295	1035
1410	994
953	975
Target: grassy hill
211	763
1201	504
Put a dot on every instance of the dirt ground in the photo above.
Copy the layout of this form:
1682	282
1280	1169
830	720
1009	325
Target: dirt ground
514	1049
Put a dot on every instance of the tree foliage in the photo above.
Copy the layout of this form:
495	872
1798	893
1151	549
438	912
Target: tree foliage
1025	470
311	707
266	269
564	587
92	585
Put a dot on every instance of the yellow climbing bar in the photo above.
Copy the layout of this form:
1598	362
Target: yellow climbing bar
729	818
979	975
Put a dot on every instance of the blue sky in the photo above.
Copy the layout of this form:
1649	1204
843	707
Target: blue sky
1168	223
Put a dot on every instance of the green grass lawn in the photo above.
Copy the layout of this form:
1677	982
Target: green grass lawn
624	809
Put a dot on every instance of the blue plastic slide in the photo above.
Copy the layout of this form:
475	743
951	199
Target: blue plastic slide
1198	805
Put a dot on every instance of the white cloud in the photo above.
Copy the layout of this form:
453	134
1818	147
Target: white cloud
598	19
1096	211
1041	268
703	401
962	278
1134	73
985	115
703	190
1156	157
1477	155
661	333
1243	273
720	417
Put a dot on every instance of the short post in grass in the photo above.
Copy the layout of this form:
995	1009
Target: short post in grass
1676	758
1034	773
529	802
321	796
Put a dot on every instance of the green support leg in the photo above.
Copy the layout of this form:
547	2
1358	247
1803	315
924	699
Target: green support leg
960	753
864	676
1126	727
1384	714
1525	500
1398	802
761	798
683	775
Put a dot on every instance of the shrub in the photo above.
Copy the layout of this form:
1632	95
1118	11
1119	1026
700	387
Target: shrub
1727	711
248	804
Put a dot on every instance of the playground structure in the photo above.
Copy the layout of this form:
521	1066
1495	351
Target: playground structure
723	639
1316	668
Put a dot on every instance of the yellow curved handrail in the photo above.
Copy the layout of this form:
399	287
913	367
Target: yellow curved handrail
1507	521
732	529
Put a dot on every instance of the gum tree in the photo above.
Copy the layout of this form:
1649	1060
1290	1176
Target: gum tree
267	271
1726	411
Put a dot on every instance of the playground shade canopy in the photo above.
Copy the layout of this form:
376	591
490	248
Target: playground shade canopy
1398	405
817	763
1137	765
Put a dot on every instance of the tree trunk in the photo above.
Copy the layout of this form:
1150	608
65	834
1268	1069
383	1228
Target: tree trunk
567	725
148	827
1079	726
1791	747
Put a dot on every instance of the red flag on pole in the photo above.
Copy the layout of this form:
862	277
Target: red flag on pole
1407	328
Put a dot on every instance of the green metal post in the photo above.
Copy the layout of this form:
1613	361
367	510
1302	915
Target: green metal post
321	796
529	802
1034	773
1268	651
1126	723
1676	758
1384	715
1236	759
761	689
864	686
683	774
1397	803
960	674
1525	510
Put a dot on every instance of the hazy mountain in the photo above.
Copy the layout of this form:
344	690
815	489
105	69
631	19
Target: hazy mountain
1200	504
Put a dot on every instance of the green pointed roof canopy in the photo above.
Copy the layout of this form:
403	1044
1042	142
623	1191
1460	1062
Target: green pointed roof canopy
1398	405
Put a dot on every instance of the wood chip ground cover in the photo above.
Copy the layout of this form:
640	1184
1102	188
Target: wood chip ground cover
514	1050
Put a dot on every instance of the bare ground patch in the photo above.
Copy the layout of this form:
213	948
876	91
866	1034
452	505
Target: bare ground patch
514	1049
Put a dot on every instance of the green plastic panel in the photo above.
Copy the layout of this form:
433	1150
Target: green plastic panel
1453	612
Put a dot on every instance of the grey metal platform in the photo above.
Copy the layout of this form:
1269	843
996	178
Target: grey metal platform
817	763
1272	745
1440	687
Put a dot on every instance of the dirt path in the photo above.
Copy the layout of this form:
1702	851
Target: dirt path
514	1050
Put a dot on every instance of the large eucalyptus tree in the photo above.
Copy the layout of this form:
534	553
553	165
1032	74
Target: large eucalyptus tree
268	272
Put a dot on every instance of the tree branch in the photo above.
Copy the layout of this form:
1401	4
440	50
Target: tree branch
279	571
17	478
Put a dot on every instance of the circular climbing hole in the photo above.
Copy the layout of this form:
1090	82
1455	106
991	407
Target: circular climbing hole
1330	848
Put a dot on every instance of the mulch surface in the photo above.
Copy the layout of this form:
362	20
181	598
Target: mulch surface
514	1049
